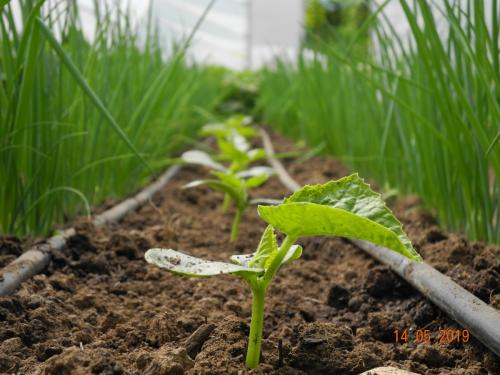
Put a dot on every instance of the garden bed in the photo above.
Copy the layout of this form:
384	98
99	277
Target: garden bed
100	308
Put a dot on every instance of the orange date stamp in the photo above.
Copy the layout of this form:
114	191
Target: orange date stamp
426	336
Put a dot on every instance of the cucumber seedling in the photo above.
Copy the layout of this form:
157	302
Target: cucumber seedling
234	185
236	180
344	208
232	138
239	124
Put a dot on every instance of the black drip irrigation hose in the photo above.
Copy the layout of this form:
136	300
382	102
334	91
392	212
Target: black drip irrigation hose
38	257
482	320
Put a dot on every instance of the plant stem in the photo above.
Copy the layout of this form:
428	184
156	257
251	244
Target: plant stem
236	224
276	263
255	338
225	203
259	288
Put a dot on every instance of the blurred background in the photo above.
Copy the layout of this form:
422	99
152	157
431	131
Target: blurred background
403	91
241	34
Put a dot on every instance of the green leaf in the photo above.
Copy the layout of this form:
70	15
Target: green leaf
186	265
256	154
267	246
223	130
293	253
254	176
202	158
238	151
218	130
229	179
266	252
247	132
82	82
230	150
256	181
239	197
344	208
239	121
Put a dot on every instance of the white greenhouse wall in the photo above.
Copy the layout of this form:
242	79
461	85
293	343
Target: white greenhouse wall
395	14
237	33
276	30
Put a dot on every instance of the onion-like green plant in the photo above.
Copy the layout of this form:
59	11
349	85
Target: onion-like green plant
430	107
345	208
114	98
235	185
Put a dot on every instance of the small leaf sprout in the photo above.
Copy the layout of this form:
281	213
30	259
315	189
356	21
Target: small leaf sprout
236	180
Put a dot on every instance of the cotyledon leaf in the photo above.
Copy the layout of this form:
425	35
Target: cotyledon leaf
242	259
256	181
229	179
202	158
187	265
239	142
256	171
346	208
239	199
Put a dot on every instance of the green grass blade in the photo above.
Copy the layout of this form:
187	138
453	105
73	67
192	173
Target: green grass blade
80	79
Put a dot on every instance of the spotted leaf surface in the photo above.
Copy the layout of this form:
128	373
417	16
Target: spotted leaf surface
187	265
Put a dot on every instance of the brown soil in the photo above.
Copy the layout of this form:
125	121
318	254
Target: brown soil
100	309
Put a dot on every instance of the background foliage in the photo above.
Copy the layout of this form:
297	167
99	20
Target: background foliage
59	151
419	116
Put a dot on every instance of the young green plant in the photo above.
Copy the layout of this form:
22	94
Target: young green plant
235	185
344	208
237	123
232	138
